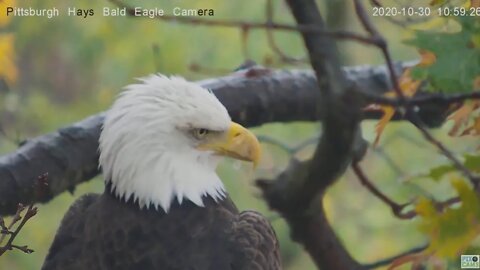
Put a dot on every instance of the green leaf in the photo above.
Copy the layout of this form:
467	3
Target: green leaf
457	57
435	173
453	230
472	162
438	172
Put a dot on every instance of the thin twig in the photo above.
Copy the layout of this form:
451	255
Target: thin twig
423	99
273	141
15	219
253	25
389	260
389	160
440	206
25	249
396	208
40	185
306	143
292	150
381	43
30	212
447	153
271	39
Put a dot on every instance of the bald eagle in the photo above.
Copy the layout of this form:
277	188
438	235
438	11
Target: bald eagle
164	207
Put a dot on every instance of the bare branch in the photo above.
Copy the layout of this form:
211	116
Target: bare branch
298	198
292	150
424	99
29	213
396	208
271	39
389	160
447	153
343	35
380	42
389	260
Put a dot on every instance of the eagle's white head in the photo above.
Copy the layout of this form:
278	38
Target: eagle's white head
162	140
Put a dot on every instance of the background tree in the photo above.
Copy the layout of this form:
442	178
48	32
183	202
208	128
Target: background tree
434	211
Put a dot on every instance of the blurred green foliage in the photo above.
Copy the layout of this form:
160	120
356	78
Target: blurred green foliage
461	47
72	67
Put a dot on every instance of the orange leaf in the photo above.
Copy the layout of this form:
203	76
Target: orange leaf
427	59
474	129
409	87
460	117
475	3
388	113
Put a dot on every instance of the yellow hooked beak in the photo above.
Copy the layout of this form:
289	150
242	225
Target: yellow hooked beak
238	142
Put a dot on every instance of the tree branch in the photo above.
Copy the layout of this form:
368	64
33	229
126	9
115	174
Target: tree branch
253	97
475	180
381	43
298	198
422	99
389	260
244	25
396	208
29	213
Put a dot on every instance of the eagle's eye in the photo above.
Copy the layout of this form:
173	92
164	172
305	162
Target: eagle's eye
200	133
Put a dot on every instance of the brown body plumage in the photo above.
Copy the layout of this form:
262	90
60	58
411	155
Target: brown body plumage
102	232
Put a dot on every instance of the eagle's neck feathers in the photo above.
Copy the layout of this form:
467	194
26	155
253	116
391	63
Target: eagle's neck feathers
156	180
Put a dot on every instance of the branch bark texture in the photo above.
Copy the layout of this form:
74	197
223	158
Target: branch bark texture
298	198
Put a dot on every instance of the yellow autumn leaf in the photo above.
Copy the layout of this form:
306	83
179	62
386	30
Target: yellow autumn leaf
452	230
8	69
461	116
4	19
427	59
388	113
474	129
409	87
425	208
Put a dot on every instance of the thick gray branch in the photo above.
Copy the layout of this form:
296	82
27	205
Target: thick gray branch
252	97
299	199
